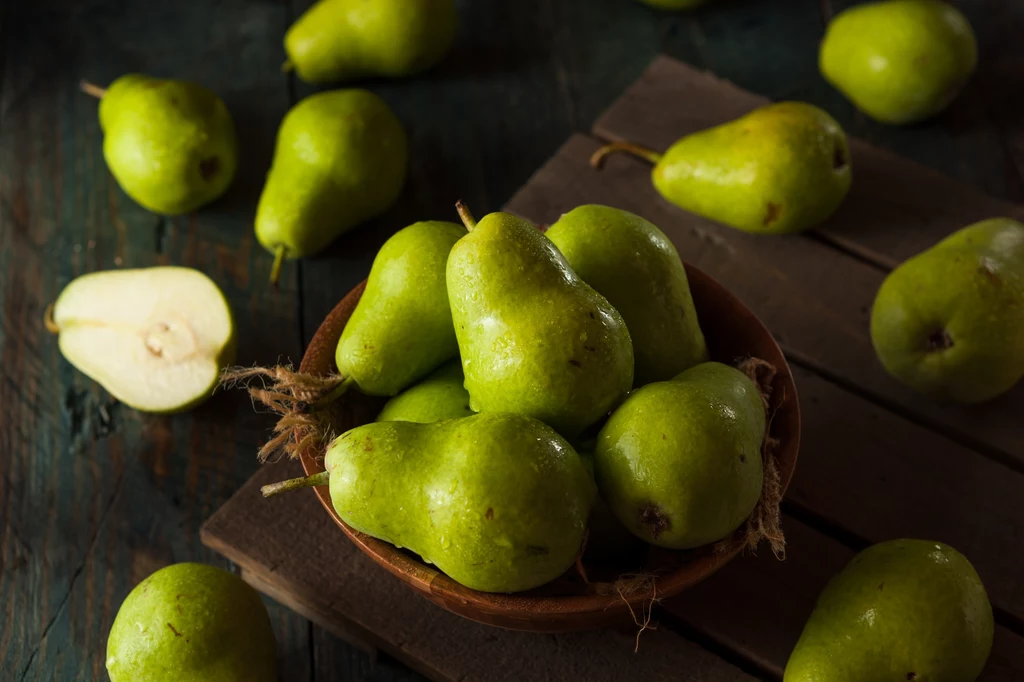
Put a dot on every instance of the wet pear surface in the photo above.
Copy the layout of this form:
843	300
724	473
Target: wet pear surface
441	395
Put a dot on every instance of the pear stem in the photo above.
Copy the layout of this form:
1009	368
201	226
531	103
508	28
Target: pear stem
91	88
323	478
597	160
467	218
48	321
275	270
335	393
288	66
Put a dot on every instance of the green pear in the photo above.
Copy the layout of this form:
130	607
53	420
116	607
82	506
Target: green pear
499	502
191	623
155	338
901	610
340	160
533	337
339	40
949	322
440	396
608	541
633	264
170	144
402	328
679	463
781	168
899	61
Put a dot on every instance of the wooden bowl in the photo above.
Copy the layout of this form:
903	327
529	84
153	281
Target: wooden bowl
732	332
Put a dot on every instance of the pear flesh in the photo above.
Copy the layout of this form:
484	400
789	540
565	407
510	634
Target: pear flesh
155	338
192	623
497	501
949	322
171	145
901	610
679	462
340	40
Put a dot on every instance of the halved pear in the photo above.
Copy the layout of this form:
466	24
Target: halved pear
155	338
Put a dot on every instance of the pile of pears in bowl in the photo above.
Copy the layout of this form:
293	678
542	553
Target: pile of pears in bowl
542	430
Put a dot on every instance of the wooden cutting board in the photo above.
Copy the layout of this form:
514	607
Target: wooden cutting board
878	461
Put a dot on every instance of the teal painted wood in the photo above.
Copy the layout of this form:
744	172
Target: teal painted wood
94	496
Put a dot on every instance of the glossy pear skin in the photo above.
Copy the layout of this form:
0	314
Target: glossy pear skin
901	610
439	396
949	322
402	328
899	61
340	160
782	168
533	337
191	623
679	462
633	264
170	145
340	40
499	502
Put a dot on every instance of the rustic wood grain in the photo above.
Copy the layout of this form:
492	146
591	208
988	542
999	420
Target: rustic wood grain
290	543
814	298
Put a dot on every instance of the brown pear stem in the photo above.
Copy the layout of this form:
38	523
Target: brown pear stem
288	66
275	270
335	393
467	218
597	159
323	478
91	88
48	321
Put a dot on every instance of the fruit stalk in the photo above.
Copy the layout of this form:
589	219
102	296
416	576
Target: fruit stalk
598	157
91	88
323	478
467	217
275	270
48	321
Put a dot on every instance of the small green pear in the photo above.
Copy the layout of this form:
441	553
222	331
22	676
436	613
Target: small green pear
901	610
497	501
781	168
402	328
440	396
899	61
170	144
534	338
633	264
679	462
949	322
340	40
341	159
191	623
155	338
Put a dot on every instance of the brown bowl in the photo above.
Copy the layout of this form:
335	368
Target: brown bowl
732	332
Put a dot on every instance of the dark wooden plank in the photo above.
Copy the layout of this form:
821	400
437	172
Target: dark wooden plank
95	496
814	298
895	208
291	543
759	605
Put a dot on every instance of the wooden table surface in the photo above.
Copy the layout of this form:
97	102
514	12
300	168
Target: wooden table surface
95	496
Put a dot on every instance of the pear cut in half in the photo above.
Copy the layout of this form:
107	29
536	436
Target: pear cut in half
155	338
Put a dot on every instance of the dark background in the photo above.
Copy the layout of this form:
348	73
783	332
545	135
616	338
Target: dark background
94	496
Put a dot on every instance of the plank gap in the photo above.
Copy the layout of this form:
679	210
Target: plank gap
709	642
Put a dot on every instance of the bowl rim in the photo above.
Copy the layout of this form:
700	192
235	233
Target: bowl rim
525	608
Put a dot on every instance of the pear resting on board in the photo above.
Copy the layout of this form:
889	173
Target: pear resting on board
341	40
340	159
192	623
155	338
170	144
781	168
497	501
